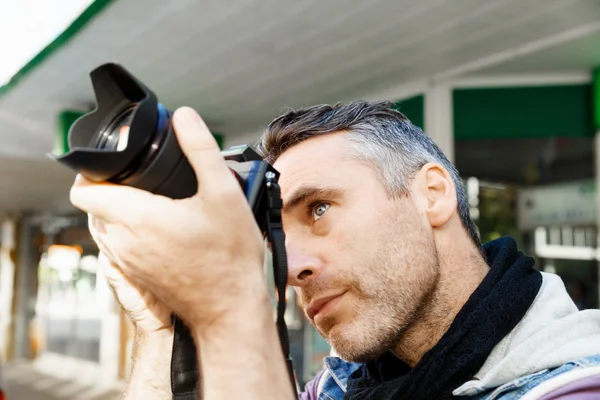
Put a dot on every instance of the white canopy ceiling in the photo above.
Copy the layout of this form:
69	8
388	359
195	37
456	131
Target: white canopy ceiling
239	62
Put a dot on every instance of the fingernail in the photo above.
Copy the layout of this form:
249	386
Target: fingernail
187	116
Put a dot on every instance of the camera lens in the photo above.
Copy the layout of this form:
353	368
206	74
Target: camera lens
116	135
128	139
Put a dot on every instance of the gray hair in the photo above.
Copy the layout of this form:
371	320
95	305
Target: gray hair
379	134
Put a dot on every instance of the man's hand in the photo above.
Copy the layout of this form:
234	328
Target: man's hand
153	339
148	314
201	256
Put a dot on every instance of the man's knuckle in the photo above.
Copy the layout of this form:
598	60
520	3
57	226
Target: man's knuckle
74	196
201	145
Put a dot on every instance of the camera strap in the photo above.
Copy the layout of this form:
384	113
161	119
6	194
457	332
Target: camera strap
276	237
185	374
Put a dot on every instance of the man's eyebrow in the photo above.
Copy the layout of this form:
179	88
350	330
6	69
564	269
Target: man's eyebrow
309	192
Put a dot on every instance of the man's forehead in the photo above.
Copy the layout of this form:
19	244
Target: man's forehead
314	160
331	146
319	163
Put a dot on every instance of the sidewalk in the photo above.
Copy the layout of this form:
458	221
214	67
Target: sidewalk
25	381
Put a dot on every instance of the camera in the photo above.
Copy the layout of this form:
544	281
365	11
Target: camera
129	139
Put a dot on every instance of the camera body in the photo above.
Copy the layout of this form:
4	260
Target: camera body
129	139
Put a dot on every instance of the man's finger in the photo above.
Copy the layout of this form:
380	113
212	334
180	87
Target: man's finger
112	273
108	201
202	151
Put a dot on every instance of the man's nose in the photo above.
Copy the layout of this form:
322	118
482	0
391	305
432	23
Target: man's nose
303	266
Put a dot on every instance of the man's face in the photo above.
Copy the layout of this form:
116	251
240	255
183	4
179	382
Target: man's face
363	263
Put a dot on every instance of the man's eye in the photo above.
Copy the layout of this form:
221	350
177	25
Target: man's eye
319	209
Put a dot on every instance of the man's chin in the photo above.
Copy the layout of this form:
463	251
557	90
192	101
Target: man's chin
357	355
348	348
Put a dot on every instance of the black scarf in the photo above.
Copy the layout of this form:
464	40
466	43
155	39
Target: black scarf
492	311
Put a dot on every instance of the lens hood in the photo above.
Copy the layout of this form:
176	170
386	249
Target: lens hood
116	90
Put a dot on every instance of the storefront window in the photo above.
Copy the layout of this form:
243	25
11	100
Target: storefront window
68	313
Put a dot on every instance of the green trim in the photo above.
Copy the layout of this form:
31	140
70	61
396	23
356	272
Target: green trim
523	112
76	26
414	109
65	119
220	139
596	97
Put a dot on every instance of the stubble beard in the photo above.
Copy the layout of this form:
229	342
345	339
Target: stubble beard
387	303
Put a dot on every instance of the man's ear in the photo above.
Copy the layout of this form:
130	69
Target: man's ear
438	192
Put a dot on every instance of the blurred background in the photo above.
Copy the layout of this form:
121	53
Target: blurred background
510	89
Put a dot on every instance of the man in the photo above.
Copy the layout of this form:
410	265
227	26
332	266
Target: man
381	250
